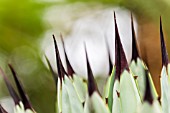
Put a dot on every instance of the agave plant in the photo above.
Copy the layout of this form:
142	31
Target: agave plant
129	87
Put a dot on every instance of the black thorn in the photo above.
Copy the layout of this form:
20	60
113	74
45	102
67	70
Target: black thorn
120	58
135	53
135	77
159	100
10	88
92	86
148	93
60	68
25	100
118	94
2	110
163	47
55	75
70	70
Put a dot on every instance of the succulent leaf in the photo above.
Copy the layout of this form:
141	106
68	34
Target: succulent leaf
138	71
148	108
110	89
165	86
73	100
128	93
120	58
116	106
95	104
148	93
80	87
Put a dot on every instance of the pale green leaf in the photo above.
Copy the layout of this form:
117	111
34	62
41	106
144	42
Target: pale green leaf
129	95
150	108
80	87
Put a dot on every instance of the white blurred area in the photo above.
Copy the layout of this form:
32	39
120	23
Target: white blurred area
8	104
93	27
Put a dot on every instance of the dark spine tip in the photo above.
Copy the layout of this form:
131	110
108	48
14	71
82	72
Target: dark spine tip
25	100
118	94
120	58
10	88
60	68
70	70
2	110
55	75
148	97
135	53
92	86
165	60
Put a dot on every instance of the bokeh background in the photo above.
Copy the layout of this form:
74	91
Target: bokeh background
26	28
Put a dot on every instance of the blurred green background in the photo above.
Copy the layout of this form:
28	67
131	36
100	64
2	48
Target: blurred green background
22	27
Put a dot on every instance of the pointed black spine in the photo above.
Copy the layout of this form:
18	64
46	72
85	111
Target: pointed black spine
2	110
55	75
70	70
165	60
60	68
135	53
148	97
25	100
92	86
120	58
10	88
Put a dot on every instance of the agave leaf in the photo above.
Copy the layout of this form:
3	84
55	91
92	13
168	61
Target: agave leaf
109	89
148	108
165	92
165	84
95	104
59	98
148	93
61	75
150	104
116	108
66	108
153	89
120	64
109	84
137	69
128	93
120	58
71	103
80	87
